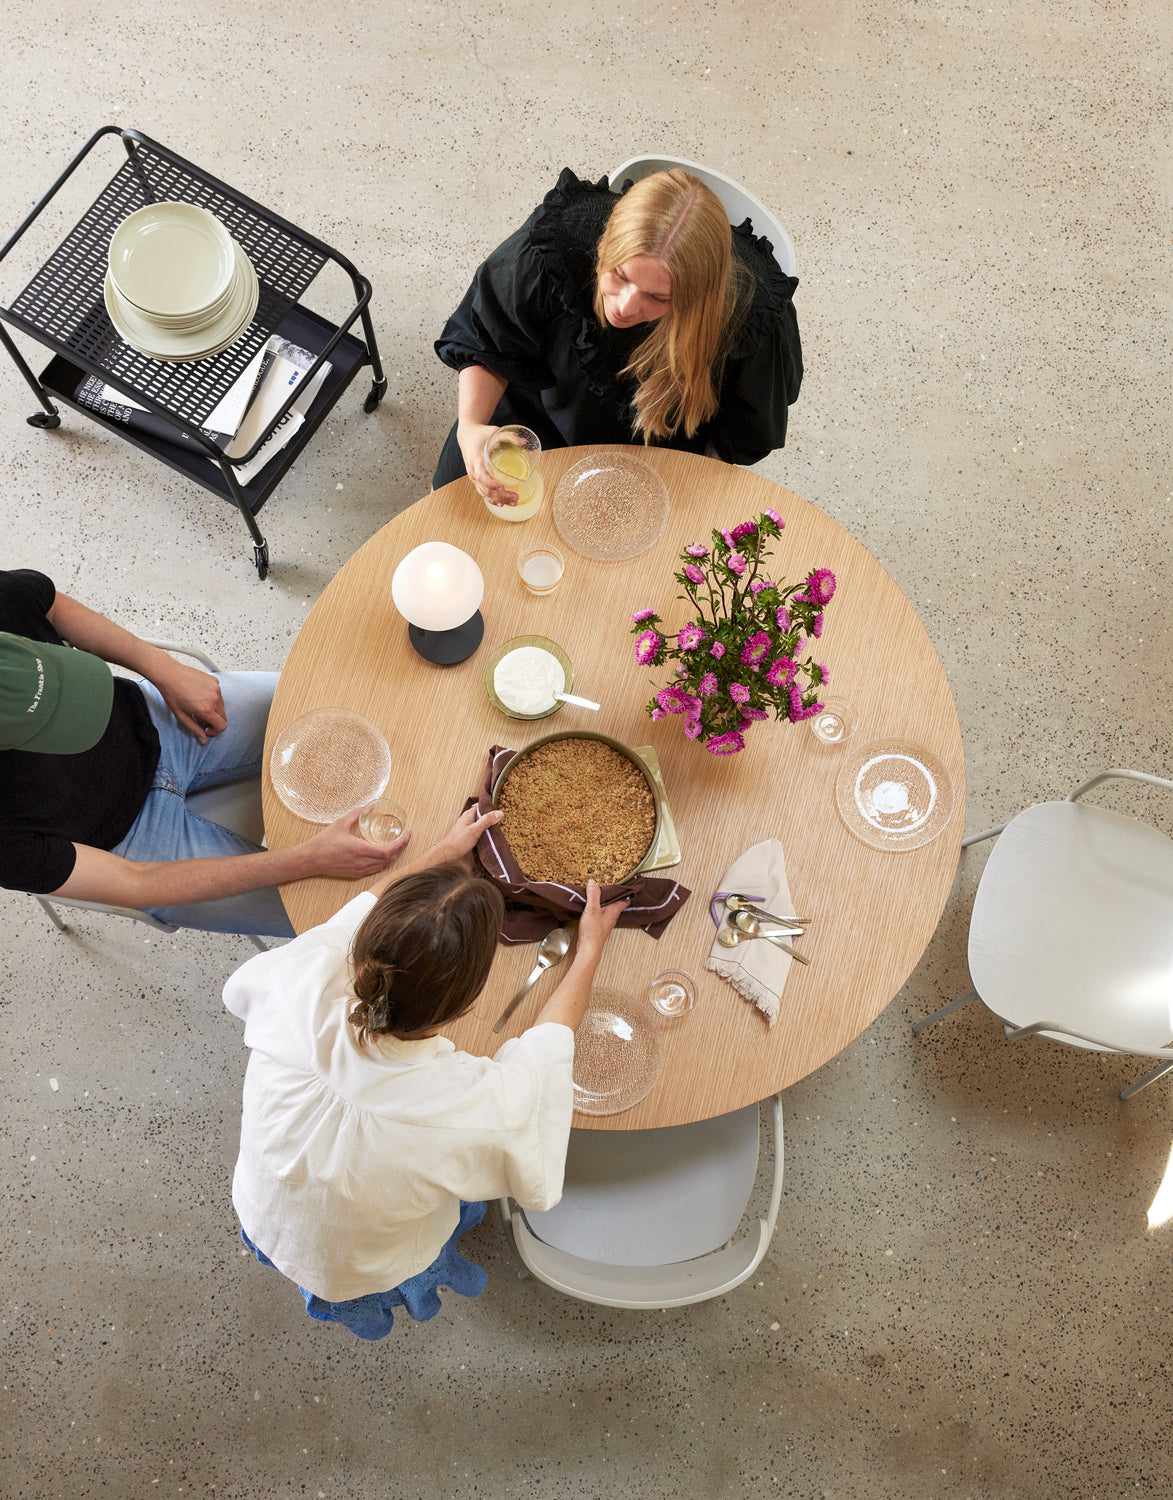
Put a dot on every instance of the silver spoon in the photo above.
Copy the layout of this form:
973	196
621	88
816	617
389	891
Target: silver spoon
742	903
749	921
571	698
551	950
729	937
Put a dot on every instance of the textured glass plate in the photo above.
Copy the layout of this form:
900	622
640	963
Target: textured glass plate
894	794
610	506
327	762
618	1054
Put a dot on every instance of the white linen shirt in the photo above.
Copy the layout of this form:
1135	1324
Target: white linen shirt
353	1159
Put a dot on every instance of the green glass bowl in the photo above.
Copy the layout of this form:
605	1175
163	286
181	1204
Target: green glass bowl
516	644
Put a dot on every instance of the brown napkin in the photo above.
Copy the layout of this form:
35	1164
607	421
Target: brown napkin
535	907
758	969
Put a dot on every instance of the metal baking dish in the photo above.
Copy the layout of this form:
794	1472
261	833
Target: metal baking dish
588	734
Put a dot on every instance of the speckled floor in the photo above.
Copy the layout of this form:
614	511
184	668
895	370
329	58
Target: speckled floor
963	1297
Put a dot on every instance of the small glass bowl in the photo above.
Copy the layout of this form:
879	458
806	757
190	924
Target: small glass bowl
515	644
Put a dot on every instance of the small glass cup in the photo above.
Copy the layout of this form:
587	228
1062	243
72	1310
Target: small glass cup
541	568
512	456
835	724
382	821
672	993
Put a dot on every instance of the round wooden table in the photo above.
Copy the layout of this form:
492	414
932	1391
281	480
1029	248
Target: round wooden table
875	909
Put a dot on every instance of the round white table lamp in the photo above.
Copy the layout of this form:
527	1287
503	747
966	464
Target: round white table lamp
437	589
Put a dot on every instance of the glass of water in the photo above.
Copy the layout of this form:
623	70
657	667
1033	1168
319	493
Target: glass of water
835	724
672	993
382	821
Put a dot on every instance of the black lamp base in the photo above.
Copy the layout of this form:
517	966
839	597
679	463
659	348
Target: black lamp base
447	647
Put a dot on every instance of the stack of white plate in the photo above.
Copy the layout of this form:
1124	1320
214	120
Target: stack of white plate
179	287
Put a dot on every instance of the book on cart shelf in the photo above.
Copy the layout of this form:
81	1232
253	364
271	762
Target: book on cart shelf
241	415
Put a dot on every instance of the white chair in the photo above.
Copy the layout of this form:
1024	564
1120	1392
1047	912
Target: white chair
235	805
1072	929
647	1216
737	203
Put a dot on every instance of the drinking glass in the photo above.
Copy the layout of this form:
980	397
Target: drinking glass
835	724
541	568
512	455
672	993
382	821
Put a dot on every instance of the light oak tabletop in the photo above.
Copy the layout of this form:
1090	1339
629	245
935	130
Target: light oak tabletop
876	909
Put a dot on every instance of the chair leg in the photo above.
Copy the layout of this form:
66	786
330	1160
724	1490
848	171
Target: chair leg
978	838
939	1015
1142	1083
51	913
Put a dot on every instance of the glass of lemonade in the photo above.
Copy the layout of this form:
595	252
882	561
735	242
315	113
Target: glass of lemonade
541	568
512	456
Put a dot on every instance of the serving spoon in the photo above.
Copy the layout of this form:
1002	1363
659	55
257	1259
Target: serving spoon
551	950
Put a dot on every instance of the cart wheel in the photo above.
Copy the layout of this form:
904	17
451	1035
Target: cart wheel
44	419
378	391
261	558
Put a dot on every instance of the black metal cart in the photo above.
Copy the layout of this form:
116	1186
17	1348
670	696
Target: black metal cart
63	308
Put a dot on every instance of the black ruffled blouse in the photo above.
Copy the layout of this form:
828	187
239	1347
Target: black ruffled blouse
528	317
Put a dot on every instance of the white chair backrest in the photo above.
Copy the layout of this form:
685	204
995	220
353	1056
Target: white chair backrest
737	203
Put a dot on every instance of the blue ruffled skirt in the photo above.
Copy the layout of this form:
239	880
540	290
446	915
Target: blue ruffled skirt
372	1316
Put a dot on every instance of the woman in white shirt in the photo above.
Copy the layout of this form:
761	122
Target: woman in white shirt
368	1143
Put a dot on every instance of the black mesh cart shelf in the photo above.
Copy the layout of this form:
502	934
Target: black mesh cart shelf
62	307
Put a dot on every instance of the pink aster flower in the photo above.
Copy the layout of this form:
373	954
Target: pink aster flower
674	699
817	626
825	672
641	615
752	715
739	692
782	619
648	647
724	744
693	573
690	637
808	713
746	528
759	584
737	563
658	713
717	650
776	518
692	728
753	653
781	671
708	684
696	550
727	538
820	587
794	693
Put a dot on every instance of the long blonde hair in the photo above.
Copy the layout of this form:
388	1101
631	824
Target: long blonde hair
677	368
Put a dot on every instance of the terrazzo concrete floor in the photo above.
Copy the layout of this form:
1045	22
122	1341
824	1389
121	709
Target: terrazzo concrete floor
963	1297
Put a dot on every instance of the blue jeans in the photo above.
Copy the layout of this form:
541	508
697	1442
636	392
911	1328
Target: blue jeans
167	829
